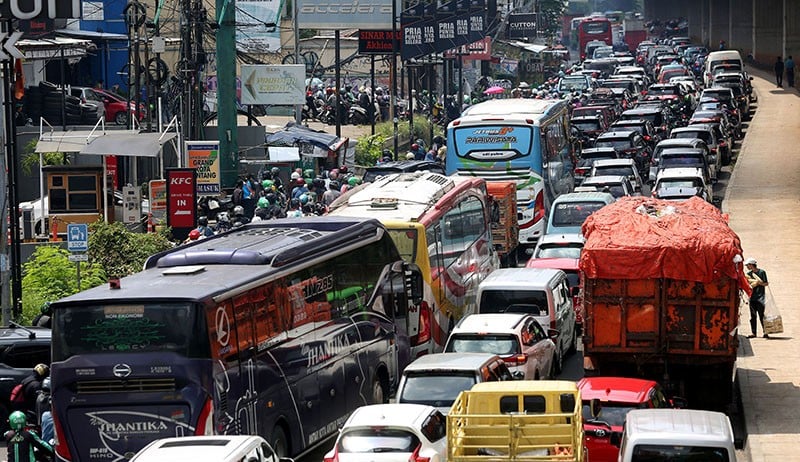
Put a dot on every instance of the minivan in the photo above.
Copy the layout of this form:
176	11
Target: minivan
676	434
570	210
437	379
720	57
544	293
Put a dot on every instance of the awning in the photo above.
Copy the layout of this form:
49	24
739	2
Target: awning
57	47
115	142
294	135
92	35
533	48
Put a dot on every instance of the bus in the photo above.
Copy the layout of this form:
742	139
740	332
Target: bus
279	329
593	28
522	140
442	225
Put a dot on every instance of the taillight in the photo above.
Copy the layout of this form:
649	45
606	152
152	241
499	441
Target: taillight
516	360
538	207
646	137
62	447
415	457
334	458
424	323
205	421
581	171
714	150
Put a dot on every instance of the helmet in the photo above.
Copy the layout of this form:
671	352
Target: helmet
333	185
300	182
17	420
194	234
202	221
295	175
275	171
294	203
266	184
303	199
353	181
415	146
238	210
271	198
45	309
318	183
410	156
262	202
750	261
334	174
343	169
308	173
43	370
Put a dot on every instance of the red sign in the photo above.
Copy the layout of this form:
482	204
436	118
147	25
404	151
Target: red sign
476	51
181	200
378	41
111	169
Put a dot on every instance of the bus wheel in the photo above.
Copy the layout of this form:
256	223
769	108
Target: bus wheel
379	395
279	442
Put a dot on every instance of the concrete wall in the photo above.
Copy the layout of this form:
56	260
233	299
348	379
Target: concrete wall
793	29
741	26
718	22
768	31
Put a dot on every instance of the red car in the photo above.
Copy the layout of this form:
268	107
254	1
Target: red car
569	266
617	396
115	108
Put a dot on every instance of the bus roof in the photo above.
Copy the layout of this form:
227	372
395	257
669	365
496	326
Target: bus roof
228	261
405	196
520	108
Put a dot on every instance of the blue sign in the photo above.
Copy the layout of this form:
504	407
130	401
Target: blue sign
77	237
493	142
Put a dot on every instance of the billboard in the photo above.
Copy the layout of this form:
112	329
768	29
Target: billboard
364	14
430	28
521	25
203	156
181	201
281	84
252	33
378	42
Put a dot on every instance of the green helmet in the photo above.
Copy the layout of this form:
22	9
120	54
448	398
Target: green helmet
308	173
267	184
17	420
353	181
263	203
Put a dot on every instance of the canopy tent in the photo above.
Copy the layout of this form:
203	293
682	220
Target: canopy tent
312	143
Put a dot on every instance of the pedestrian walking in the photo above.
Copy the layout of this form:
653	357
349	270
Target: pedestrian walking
757	278
779	72
789	66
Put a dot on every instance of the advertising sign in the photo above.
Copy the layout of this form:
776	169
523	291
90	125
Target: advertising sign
252	33
158	201
438	27
364	14
378	42
40	9
521	25
203	156
282	84
111	170
181	201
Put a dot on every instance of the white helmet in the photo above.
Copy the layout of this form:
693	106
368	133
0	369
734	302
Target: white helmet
295	175
750	261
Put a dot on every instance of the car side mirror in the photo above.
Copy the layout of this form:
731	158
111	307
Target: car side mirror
553	334
678	402
517	375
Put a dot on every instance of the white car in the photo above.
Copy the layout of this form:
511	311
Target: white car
681	184
391	433
559	246
519	339
218	448
623	166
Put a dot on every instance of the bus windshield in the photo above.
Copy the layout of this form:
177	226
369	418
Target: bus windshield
595	27
129	328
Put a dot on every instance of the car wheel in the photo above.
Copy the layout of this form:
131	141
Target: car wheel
121	118
378	394
279	442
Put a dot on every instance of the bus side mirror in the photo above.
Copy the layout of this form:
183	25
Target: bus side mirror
414	282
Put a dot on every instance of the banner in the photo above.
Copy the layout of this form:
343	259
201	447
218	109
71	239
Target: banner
181	201
521	26
282	84
378	42
158	201
363	14
203	156
253	35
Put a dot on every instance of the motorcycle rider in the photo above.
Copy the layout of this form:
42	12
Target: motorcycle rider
239	218
203	228
21	442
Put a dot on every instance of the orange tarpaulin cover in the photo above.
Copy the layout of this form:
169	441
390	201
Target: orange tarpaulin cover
645	238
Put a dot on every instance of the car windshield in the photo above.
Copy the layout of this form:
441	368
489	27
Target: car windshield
559	250
617	84
662	91
435	389
611	413
587	125
498	344
654	117
514	301
703	135
679	161
598	155
574	213
613	143
377	439
613	170
615	189
680	183
668	453
573	84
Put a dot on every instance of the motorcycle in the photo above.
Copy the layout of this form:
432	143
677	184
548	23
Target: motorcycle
210	206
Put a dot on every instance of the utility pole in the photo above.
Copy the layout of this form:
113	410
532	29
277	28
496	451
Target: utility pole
226	92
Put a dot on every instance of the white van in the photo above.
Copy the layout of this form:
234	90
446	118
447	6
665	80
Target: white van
542	292
676	434
720	57
218	448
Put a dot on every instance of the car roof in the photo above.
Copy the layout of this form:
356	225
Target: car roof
680	172
604	179
616	389
450	361
519	276
675	151
588	196
391	415
691	128
620	162
618	134
571	238
678	142
692	425
627	122
570	265
13	334
188	448
501	323
649	109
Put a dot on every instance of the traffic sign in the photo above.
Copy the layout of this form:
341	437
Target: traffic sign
77	237
78	257
7	48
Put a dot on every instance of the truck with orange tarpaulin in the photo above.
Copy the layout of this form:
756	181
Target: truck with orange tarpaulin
661	296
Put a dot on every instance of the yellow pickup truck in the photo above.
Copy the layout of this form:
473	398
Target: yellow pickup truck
516	421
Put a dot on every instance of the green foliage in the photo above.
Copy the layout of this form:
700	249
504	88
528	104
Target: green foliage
121	252
49	276
552	11
422	129
369	149
30	157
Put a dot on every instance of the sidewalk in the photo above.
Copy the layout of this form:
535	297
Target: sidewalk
763	200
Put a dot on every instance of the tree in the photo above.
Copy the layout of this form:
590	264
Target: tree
121	252
49	276
30	157
551	12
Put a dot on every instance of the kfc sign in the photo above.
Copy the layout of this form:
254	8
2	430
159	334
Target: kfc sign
181	200
40	9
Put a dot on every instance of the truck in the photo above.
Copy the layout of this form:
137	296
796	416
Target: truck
635	32
516	421
505	227
661	284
